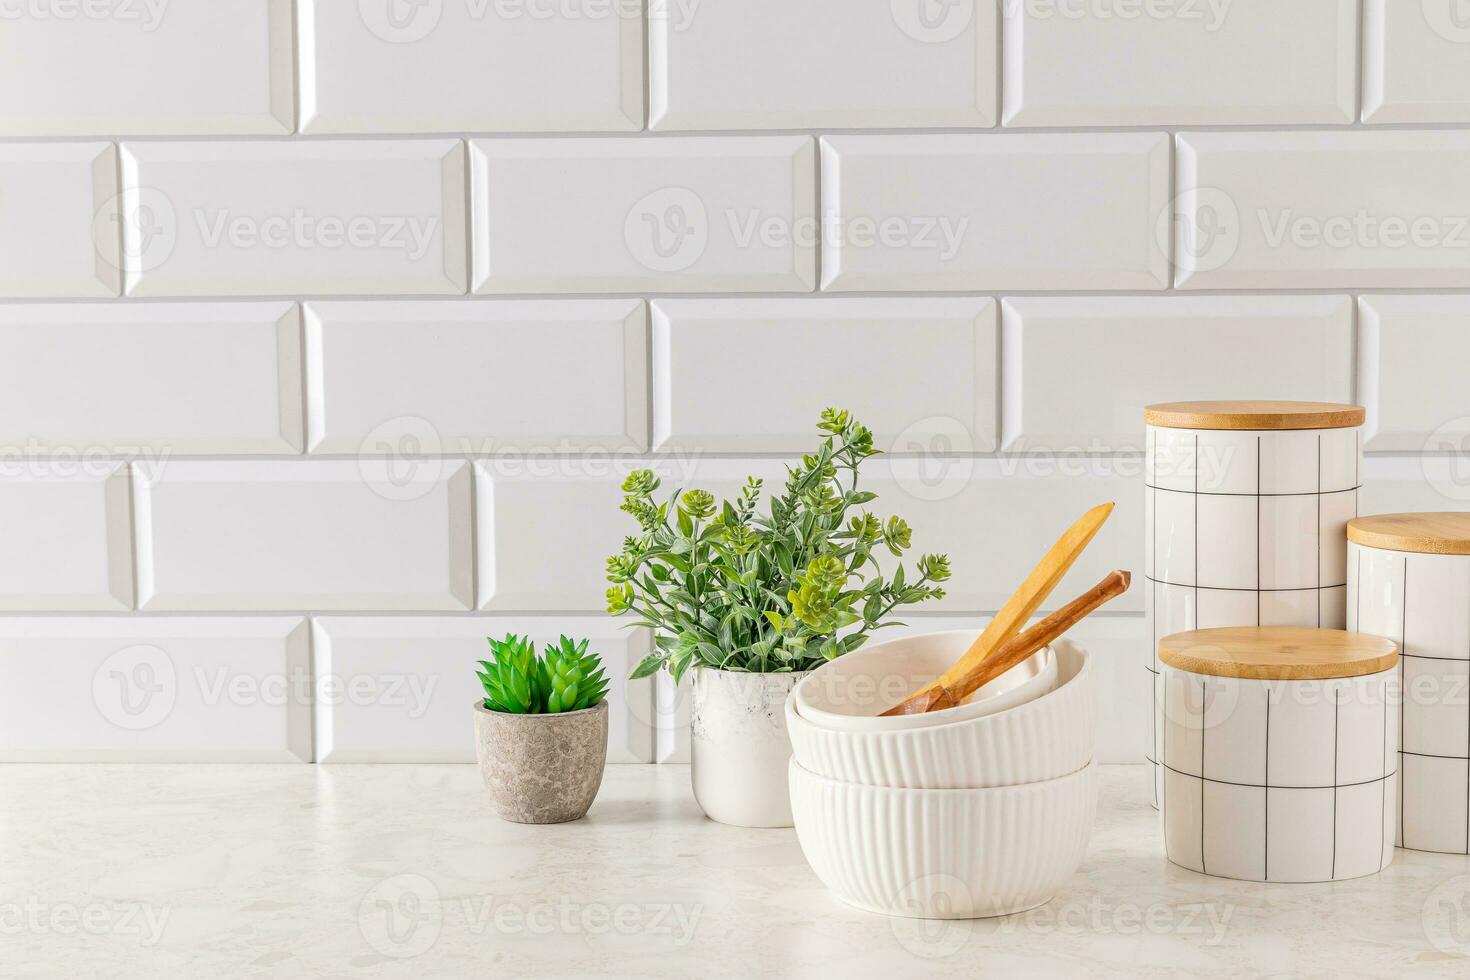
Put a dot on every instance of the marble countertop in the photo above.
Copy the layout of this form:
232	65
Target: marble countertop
402	871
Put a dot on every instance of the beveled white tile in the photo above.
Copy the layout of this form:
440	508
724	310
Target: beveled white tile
1416	59
275	218
928	367
1410	350
1237	62
1080	369
391	534
994	212
151	377
401	688
104	689
418	376
134	68
68	537
59	234
688	214
772	64
470	66
1323	210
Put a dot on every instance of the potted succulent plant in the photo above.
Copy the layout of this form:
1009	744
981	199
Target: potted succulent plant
754	601
541	729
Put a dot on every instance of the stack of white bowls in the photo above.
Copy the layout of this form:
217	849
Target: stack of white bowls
979	810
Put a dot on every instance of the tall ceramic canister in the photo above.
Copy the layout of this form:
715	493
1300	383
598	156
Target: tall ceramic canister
1246	517
1409	580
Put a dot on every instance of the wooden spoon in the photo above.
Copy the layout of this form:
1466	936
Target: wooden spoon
1018	608
1025	645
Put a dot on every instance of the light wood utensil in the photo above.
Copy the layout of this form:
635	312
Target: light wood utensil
1017	610
1028	643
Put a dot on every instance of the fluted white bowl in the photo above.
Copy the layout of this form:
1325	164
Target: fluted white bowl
1042	739
850	692
944	853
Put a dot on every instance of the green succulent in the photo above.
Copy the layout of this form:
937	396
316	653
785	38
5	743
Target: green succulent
518	682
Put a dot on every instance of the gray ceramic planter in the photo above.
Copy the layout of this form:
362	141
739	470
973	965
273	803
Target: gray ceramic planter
542	768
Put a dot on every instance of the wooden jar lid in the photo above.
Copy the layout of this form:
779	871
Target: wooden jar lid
1278	653
1423	533
1257	415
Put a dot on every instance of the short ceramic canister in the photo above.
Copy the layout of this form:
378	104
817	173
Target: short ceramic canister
1246	514
1409	580
1280	752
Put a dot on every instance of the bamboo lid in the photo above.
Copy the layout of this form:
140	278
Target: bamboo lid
1259	415
1423	533
1278	653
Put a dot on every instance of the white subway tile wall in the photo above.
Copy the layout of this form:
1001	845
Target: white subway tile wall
336	326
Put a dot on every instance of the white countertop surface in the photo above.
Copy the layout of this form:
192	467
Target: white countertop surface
402	871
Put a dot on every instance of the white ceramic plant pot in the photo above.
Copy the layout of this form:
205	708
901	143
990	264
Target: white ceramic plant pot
1280	780
1409	580
739	749
1246	516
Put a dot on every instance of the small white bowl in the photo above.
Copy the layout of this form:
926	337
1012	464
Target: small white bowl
944	853
850	693
1043	739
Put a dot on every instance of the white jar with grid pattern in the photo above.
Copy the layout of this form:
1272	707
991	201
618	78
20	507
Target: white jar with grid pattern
1246	515
1279	753
1409	580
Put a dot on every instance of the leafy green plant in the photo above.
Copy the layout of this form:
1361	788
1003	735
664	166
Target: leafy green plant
518	682
785	590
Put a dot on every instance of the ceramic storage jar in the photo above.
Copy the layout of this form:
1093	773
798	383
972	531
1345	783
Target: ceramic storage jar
1279	752
1247	508
1409	580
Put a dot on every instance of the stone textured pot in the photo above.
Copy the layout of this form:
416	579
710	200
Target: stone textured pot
739	749
542	768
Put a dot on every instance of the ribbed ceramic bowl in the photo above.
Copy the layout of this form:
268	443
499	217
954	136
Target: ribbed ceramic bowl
1042	739
944	853
850	692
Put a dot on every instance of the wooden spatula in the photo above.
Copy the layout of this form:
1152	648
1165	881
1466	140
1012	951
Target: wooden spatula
1017	610
1026	644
